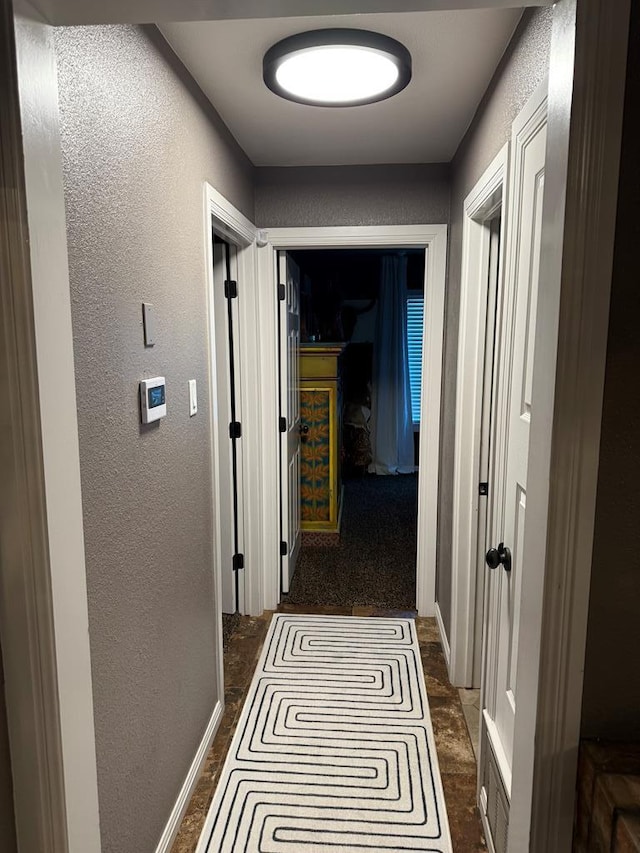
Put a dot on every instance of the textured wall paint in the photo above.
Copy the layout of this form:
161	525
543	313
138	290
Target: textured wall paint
138	142
352	195
611	698
7	822
521	69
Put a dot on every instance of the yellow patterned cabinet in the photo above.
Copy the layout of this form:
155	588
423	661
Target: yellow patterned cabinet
320	424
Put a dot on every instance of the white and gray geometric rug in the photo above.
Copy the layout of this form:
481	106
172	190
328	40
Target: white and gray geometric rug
334	749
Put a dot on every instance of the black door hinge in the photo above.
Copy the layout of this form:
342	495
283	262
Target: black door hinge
483	489
284	549
230	289
283	424
238	562
282	292
235	429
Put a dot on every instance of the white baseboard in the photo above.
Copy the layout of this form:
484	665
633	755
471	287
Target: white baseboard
180	807
443	635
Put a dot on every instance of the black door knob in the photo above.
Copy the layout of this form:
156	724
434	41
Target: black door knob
499	556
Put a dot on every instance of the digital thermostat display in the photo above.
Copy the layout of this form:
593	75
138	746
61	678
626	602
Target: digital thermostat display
153	403
156	396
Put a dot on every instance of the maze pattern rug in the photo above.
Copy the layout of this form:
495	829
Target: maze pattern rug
334	749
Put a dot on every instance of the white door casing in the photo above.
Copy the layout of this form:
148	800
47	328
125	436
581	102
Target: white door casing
494	280
229	223
484	202
289	276
44	612
513	414
586	101
433	238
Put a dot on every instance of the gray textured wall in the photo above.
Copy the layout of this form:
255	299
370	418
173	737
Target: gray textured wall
521	69
7	822
138	142
611	698
352	195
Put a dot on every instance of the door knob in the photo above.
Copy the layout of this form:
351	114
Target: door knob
499	556
304	432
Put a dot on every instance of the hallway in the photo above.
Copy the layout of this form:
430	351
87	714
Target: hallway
131	140
455	754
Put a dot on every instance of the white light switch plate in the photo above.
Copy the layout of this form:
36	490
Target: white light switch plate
147	321
193	398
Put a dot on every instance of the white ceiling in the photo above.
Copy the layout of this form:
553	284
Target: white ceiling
79	12
454	57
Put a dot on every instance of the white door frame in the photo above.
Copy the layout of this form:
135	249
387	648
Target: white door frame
588	46
478	209
230	223
531	121
433	238
46	629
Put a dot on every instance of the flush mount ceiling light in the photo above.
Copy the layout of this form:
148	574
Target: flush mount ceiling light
337	67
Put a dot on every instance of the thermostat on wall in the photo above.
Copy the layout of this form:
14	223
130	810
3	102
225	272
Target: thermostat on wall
153	403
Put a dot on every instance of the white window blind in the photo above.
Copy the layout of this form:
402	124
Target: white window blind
415	321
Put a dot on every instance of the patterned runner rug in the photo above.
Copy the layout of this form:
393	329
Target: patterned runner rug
334	749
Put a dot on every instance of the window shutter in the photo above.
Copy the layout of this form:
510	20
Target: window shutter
415	322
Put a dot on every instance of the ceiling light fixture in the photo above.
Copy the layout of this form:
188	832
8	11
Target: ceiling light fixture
337	67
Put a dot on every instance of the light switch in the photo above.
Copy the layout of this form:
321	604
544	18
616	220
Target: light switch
193	398
147	321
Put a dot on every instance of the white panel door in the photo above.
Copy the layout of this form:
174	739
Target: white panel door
516	331
289	276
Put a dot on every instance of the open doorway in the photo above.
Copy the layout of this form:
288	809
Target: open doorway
361	334
278	244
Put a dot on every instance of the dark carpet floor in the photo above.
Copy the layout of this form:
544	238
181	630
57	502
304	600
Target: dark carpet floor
375	563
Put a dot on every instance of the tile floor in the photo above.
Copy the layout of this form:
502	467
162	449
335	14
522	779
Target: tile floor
470	700
453	744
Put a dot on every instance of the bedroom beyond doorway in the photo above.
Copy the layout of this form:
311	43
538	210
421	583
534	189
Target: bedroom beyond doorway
368	306
374	563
